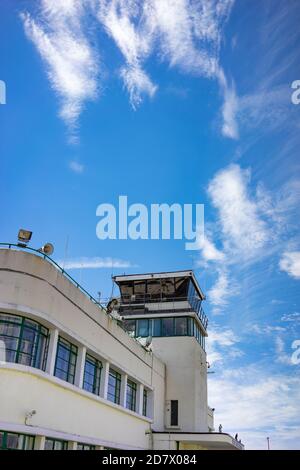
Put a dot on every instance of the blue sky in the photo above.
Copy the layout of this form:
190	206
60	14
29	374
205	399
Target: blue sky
169	102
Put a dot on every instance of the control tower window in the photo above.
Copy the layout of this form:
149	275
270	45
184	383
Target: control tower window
154	289
156	327
127	291
168	288
181	287
181	326
143	328
139	290
167	327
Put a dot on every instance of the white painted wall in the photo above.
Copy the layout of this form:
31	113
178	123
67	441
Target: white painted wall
186	379
32	287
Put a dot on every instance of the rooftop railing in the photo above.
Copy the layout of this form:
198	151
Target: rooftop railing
57	266
133	302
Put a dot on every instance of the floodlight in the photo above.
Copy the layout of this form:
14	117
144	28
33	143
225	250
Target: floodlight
24	236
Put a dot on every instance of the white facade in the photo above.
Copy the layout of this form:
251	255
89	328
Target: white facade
34	401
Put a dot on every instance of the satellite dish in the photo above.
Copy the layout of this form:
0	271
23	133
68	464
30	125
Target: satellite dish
47	249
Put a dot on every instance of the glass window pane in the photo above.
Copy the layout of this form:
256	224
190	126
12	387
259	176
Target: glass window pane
181	287
114	386
181	326
156	327
21	338
145	402
28	443
174	412
58	445
153	289
55	444
131	395
66	357
92	375
81	446
126	289
168	288
143	328
10	318
12	441
139	290
167	327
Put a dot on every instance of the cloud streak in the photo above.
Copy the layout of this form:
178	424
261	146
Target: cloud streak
185	34
246	399
251	224
290	263
95	263
71	62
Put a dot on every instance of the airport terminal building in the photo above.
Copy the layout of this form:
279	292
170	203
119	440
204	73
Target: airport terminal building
77	375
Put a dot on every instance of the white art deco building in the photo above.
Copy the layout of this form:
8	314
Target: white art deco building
76	376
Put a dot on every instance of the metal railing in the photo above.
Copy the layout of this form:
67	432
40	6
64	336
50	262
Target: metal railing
57	266
132	302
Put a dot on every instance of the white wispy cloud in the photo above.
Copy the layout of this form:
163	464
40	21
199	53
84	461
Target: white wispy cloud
281	355
290	263
251	224
264	109
221	291
76	167
71	61
208	250
94	263
256	404
230	108
124	21
244	231
291	317
265	329
221	344
184	33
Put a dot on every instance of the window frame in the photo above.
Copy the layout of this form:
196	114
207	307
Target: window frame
86	446
19	435
117	394
131	387
98	366
174	413
145	402
37	358
73	352
53	440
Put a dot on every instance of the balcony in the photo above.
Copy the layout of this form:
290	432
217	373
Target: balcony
140	304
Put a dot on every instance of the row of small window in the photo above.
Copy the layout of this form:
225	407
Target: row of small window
15	441
168	326
26	342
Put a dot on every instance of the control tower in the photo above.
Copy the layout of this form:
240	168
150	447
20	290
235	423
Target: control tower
166	310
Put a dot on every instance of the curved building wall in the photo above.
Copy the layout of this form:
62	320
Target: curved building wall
32	287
